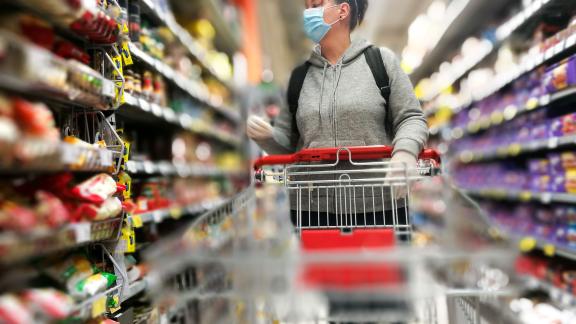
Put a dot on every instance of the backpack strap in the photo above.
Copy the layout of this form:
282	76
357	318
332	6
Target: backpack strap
376	63
294	88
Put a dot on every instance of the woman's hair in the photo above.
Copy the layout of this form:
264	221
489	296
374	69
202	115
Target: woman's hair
358	11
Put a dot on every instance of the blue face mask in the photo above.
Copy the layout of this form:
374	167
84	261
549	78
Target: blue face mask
314	25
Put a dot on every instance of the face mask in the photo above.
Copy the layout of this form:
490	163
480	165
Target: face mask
314	24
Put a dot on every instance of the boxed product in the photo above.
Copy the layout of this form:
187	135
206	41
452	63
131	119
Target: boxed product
560	76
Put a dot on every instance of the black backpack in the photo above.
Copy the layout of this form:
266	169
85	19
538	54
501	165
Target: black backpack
373	58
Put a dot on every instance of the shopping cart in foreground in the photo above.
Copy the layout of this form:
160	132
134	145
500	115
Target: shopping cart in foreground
345	200
352	191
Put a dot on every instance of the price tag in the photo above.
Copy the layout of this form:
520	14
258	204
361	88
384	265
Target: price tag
169	114
176	213
115	304
546	198
571	40
553	142
99	307
83	232
169	73
131	167
549	53
514	149
129	238
549	250
527	244
532	104
108	88
497	118
567	299
525	196
156	110
137	221
105	157
144	105
540	58
126	56
119	93
148	167
158	216
558	48
130	99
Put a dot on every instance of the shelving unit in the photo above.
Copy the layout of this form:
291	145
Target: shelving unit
16	247
504	32
176	212
511	112
497	135
143	110
513	150
183	36
166	168
96	148
189	86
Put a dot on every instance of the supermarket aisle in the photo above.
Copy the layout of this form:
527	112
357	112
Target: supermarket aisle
128	192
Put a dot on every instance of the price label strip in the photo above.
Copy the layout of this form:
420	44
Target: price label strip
126	56
99	307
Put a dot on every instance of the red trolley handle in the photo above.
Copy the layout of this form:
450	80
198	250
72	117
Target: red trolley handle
357	153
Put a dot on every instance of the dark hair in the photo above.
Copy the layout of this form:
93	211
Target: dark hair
357	12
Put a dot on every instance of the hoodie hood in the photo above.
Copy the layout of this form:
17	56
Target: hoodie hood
355	49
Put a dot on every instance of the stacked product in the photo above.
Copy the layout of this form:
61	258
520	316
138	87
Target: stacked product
555	174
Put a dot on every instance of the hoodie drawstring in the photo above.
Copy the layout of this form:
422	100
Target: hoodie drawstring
334	105
322	91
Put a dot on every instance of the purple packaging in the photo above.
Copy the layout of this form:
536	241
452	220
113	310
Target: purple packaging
540	183
571	72
556	126
561	162
540	130
556	77
558	183
555	163
538	166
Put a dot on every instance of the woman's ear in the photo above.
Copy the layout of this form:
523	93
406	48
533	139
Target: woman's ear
345	11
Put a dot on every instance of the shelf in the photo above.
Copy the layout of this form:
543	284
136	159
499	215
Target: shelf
161	215
517	149
512	111
135	288
560	297
191	87
523	196
548	247
32	59
514	24
64	157
183	36
142	110
95	305
167	168
16	247
225	37
471	64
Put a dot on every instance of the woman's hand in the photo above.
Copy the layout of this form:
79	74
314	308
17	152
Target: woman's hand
402	159
258	128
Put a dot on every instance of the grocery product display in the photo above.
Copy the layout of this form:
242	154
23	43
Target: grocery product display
118	127
135	187
502	109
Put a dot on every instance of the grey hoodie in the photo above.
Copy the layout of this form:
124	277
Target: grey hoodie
340	105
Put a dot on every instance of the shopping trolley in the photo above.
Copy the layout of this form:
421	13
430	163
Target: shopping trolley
346	199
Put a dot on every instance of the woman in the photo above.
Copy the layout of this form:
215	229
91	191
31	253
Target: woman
340	104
